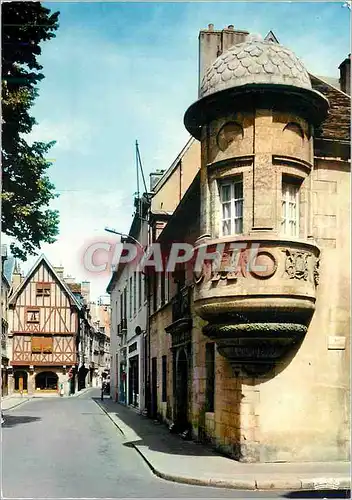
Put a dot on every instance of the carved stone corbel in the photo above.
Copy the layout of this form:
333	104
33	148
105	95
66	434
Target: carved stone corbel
316	272
296	265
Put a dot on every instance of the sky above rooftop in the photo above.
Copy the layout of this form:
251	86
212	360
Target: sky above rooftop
121	72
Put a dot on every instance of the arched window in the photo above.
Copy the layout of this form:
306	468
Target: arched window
46	381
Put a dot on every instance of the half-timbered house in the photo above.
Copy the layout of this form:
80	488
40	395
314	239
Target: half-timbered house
44	319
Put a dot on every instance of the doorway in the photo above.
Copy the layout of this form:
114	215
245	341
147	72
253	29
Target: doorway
46	381
21	381
133	382
182	388
122	395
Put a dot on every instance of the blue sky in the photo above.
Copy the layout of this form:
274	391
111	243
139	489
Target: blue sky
117	72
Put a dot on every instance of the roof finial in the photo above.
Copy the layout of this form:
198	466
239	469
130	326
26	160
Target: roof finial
270	37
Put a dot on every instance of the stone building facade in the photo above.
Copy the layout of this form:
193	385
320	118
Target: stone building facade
256	359
136	297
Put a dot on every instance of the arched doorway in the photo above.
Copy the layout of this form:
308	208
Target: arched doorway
46	381
182	386
21	381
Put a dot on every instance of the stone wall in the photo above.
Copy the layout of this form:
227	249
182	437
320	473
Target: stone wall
160	345
300	410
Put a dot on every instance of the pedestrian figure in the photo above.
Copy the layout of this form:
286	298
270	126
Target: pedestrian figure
102	390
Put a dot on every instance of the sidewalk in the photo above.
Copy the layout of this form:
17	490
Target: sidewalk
9	402
14	400
172	458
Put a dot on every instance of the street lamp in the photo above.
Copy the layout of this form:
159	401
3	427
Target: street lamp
126	236
123	235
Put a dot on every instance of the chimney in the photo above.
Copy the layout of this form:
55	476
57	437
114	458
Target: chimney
213	43
69	280
60	272
3	256
154	178
16	277
85	290
345	75
4	251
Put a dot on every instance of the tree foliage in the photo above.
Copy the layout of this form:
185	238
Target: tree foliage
26	188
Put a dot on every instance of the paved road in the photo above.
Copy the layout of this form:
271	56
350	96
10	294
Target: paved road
69	448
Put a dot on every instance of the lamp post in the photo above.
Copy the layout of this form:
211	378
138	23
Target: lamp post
147	338
123	235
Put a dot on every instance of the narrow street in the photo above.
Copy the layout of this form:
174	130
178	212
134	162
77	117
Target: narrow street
57	448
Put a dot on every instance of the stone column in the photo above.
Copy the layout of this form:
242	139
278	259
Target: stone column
11	383
205	208
31	382
264	185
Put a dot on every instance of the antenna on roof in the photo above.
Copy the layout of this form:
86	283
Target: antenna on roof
137	199
139	164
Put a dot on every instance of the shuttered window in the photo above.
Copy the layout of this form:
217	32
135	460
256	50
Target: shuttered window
42	344
43	290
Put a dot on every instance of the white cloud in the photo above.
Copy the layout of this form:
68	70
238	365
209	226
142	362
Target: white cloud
69	135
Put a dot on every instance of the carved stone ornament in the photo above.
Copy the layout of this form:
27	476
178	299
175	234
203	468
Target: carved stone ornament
198	275
230	266
316	272
264	266
255	347
228	133
296	265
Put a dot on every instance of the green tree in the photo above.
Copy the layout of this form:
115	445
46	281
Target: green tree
26	189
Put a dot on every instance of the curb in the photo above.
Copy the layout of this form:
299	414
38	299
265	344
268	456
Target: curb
112	420
280	484
255	484
17	404
83	391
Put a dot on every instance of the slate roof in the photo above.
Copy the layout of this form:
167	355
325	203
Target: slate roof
337	125
255	61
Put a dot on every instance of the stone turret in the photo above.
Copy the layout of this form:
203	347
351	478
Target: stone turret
255	118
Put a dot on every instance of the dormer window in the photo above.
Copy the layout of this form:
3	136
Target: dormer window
43	289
